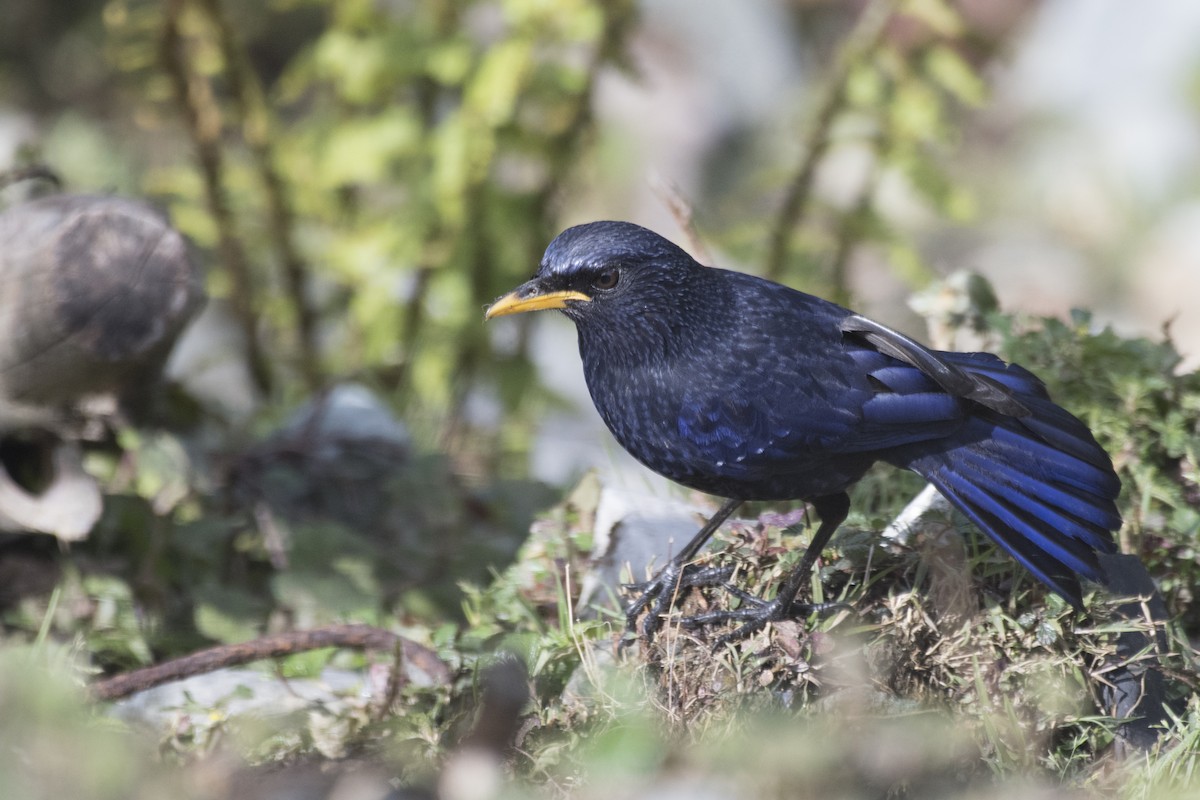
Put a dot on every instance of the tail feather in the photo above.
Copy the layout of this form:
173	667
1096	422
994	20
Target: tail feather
1064	509
1067	485
1057	428
1012	376
1054	425
1049	570
1039	485
1052	543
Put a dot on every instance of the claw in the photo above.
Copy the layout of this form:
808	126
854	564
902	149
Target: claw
650	596
660	593
756	617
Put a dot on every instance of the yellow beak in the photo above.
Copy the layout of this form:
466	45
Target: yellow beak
525	298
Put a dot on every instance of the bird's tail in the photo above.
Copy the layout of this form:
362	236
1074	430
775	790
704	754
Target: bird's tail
1038	484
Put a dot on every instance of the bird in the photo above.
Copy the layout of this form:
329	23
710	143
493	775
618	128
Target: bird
750	390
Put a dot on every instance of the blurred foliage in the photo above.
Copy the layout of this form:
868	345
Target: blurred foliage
364	177
889	111
373	177
59	748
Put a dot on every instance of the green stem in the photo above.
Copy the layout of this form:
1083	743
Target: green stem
863	39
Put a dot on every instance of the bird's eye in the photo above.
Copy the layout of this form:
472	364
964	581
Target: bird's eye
606	280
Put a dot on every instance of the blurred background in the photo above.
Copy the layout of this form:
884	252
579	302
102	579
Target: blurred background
325	430
387	168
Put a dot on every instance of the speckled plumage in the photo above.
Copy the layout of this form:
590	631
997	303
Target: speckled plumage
747	389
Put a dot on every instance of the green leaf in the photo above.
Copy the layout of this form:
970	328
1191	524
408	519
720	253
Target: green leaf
363	150
952	72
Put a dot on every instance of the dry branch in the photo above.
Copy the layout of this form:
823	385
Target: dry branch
277	645
864	38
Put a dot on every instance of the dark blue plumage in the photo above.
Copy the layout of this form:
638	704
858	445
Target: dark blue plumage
750	390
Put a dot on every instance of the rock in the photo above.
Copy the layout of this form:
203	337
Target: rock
93	292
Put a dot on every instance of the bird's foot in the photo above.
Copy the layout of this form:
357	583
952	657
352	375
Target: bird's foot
754	615
660	594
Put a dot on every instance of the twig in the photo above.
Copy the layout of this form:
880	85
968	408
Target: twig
472	342
428	93
681	210
395	680
902	527
275	646
251	107
850	228
202	119
862	39
274	536
560	151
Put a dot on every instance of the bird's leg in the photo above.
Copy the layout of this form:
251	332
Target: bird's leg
659	593
756	612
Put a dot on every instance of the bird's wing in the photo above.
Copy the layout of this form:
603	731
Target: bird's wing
780	421
827	382
744	437
728	427
978	387
876	390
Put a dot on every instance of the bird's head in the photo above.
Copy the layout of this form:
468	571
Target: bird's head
603	271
